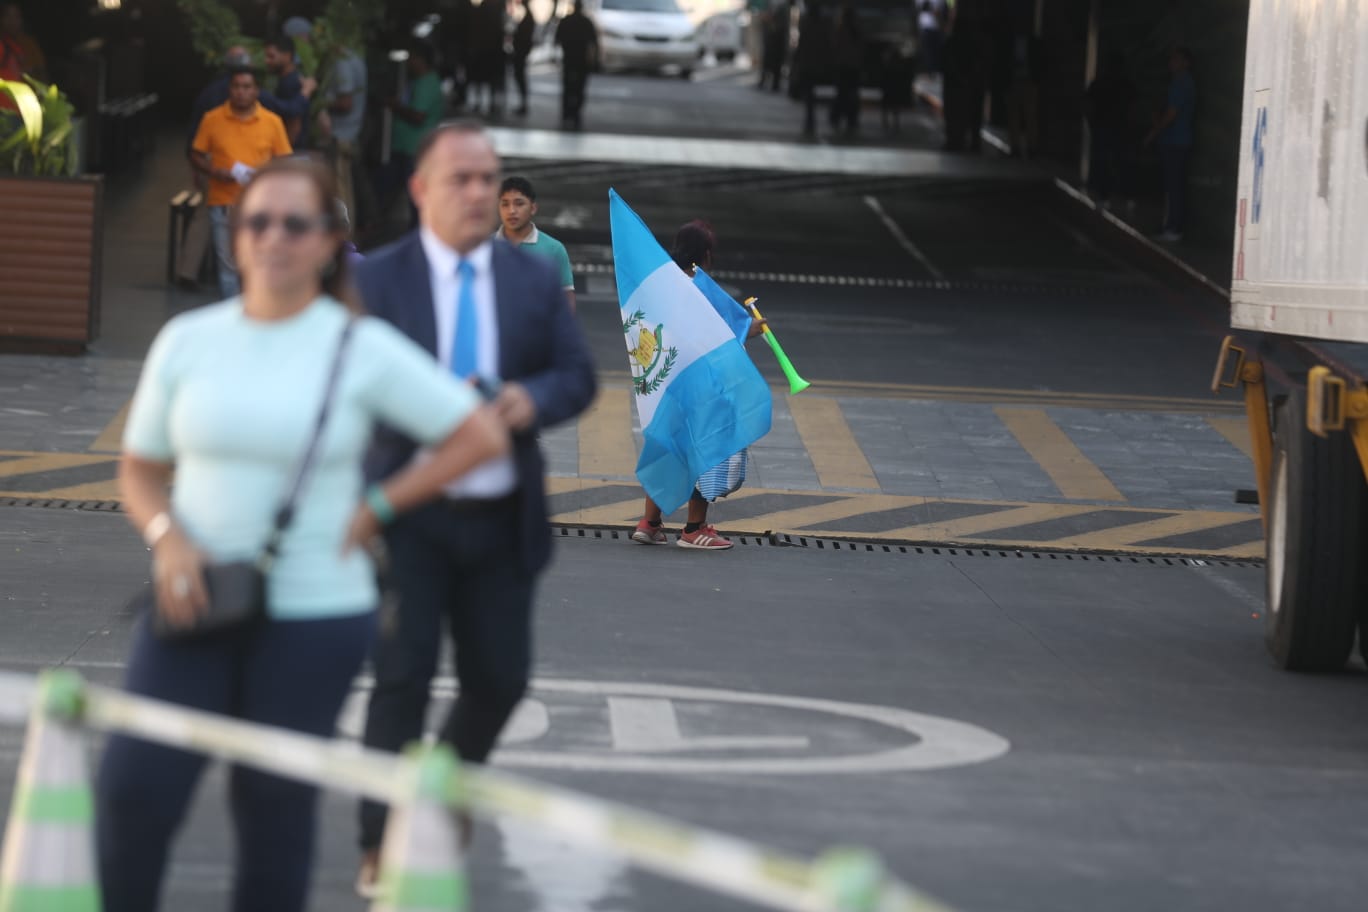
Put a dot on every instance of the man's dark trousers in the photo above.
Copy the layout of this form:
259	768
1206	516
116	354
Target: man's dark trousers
574	81
451	569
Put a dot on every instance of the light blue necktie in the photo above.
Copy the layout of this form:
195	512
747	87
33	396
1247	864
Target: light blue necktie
464	352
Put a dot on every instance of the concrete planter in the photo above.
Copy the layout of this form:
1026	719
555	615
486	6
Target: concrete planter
50	243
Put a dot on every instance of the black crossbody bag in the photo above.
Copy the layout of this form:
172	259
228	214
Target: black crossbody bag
237	590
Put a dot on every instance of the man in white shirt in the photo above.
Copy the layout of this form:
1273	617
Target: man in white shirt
496	316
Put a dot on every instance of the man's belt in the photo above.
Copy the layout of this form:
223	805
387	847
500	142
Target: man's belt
469	506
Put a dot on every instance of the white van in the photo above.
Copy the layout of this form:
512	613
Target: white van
644	34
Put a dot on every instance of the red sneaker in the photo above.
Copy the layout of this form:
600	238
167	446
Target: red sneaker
705	539
647	534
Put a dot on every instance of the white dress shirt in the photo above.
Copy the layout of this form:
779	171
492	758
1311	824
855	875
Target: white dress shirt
498	477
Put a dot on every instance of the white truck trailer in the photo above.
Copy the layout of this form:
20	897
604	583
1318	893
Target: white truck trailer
1299	311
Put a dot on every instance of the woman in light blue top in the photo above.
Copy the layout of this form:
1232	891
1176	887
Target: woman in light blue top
228	400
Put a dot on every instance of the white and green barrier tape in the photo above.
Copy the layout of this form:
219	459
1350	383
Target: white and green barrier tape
842	880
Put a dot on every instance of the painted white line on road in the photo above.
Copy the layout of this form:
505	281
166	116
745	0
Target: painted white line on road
933	742
648	725
1253	600
1118	222
903	239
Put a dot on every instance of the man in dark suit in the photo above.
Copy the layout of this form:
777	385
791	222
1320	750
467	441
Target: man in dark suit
496	315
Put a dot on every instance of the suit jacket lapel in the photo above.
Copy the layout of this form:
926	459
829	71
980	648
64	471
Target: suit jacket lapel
416	287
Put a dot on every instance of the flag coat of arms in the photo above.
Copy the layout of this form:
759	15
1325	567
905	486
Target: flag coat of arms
699	395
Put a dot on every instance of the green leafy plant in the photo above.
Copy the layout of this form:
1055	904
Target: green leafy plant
344	25
214	28
37	140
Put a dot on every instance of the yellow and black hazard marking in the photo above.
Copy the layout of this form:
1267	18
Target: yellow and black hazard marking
884	517
58	476
754	511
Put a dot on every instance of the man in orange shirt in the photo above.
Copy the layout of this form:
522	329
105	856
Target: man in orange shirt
232	142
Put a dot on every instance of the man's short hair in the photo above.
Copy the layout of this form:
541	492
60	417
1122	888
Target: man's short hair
445	128
1185	53
243	69
282	43
518	184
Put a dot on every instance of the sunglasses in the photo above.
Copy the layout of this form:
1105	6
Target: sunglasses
294	226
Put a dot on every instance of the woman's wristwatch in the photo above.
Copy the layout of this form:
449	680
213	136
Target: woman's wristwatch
156	529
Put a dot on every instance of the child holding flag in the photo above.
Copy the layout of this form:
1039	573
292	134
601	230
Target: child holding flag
693	249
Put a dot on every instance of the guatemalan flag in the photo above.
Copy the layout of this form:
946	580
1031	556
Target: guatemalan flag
700	397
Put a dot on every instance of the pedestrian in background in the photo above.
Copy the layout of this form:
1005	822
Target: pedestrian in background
849	52
775	33
895	88
346	117
524	37
233	141
1175	132
489	62
209	408
1110	99
811	60
456	36
1023	94
968	53
20	53
416	113
517	211
494	316
578	40
929	38
292	89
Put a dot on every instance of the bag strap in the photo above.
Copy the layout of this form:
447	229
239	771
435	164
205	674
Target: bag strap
285	515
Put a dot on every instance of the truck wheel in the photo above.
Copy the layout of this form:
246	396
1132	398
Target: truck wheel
1316	536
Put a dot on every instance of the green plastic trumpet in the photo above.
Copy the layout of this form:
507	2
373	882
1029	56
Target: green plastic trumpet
796	383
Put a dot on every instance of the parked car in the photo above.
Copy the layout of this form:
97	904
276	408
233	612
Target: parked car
646	34
723	34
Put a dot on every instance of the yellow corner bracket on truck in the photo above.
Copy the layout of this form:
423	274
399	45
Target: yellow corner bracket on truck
1250	372
1331	405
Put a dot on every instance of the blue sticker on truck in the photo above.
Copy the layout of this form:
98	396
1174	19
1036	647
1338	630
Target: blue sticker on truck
1259	146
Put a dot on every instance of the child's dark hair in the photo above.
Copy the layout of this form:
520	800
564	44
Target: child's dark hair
693	244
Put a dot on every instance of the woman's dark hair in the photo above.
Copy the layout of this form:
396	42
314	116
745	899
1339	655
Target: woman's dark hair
336	279
693	244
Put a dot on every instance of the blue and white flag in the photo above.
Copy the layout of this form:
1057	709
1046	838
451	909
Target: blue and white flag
699	395
737	317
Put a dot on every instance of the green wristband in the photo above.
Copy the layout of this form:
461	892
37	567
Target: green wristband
380	505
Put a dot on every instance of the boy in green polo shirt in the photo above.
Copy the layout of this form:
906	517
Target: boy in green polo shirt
517	208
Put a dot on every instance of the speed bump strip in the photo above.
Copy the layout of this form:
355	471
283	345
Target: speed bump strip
988	523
